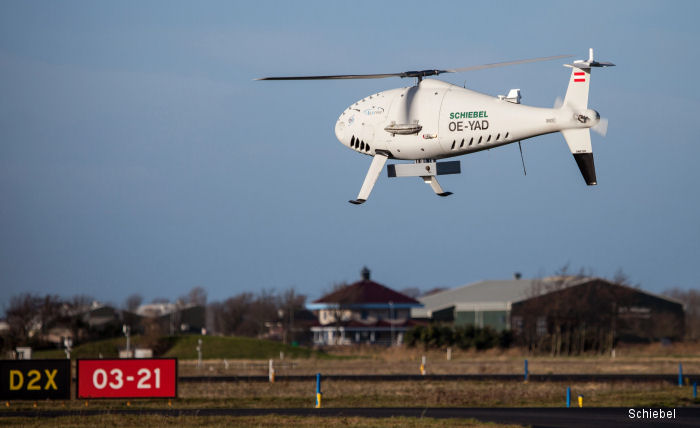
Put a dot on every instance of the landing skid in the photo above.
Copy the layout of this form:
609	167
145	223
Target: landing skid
372	175
427	169
432	180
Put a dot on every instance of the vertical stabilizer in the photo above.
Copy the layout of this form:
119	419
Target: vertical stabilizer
580	81
577	92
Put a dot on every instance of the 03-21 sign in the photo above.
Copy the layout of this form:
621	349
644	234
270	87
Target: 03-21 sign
127	378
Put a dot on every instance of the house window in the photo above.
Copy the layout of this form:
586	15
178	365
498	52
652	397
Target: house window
542	326
517	324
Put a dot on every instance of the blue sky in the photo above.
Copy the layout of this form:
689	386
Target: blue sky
137	155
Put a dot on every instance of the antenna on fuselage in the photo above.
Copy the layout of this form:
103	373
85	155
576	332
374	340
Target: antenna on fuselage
521	157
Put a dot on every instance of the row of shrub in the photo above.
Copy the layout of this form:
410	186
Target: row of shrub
437	336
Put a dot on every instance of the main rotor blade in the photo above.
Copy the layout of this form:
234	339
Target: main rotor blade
503	64
417	73
337	76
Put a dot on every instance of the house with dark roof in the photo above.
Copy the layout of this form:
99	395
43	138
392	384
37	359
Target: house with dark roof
362	312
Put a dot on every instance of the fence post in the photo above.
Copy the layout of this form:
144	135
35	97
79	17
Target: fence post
526	372
199	353
271	372
318	390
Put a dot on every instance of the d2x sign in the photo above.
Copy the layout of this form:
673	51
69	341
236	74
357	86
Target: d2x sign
127	378
34	379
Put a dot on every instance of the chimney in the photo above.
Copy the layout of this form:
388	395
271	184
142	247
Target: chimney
365	274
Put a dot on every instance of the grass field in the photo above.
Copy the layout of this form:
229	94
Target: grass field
380	360
184	347
238	356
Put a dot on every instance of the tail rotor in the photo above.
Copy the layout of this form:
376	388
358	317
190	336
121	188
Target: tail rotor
601	127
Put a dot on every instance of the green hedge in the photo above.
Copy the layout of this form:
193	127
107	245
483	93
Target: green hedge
439	336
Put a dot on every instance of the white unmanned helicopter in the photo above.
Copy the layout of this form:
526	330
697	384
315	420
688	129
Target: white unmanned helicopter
437	120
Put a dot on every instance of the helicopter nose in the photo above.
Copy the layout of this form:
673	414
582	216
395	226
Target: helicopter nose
340	132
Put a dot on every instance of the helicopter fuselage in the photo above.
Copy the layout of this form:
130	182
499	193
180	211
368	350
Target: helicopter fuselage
437	120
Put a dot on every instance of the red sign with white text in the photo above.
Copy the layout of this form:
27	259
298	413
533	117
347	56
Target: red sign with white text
127	378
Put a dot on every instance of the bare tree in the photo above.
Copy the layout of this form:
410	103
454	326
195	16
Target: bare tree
412	292
262	310
433	291
338	303
196	296
621	278
30	317
81	302
133	302
73	316
49	311
691	306
230	316
21	315
289	303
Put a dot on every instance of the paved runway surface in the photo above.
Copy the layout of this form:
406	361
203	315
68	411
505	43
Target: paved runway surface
536	417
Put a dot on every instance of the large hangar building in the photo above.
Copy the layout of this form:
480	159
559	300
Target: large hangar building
536	307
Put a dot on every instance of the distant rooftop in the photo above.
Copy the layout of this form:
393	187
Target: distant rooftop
365	293
491	293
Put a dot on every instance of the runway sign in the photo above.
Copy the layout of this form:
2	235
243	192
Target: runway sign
127	378
34	379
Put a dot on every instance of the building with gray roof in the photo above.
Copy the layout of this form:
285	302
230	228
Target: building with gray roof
483	303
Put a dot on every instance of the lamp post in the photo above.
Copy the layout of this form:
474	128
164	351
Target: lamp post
280	316
127	332
67	344
199	353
